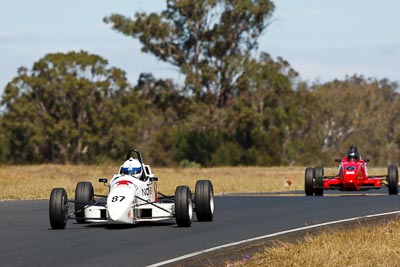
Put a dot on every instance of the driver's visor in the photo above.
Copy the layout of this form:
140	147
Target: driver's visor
130	170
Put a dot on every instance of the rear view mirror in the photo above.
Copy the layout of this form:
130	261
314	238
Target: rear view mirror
366	160
103	180
153	179
338	160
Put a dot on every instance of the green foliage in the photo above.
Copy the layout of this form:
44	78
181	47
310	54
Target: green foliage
227	154
358	111
210	41
60	110
196	146
55	113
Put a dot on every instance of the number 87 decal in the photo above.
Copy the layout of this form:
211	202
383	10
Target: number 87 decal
117	198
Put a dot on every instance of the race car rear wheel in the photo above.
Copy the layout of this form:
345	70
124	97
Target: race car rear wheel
393	180
84	195
204	200
183	206
309	181
319	181
58	208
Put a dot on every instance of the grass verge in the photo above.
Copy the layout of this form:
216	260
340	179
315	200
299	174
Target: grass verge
36	181
371	245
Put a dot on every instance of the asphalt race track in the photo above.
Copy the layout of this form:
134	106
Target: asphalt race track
27	240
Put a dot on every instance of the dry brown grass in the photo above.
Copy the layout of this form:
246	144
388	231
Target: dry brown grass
36	181
364	246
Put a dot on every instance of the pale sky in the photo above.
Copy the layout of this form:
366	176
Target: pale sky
322	40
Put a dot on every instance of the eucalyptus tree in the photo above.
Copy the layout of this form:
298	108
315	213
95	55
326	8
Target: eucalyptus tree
361	111
61	109
210	41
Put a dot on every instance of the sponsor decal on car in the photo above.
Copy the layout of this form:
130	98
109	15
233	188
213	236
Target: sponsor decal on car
123	182
145	191
351	168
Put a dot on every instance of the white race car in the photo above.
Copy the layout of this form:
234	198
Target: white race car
133	197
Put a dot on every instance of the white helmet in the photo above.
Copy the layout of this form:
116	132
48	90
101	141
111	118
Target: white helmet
132	167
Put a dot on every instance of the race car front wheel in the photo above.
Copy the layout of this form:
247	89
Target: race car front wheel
204	200
84	195
183	206
58	208
393	180
309	181
319	181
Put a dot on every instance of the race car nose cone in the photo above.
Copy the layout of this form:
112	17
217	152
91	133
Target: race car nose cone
120	214
119	205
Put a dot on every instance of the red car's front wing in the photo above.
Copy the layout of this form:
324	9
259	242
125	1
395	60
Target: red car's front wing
356	184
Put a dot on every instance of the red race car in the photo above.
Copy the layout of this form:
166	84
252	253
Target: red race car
352	176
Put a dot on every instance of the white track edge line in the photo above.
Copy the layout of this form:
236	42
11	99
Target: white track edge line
267	236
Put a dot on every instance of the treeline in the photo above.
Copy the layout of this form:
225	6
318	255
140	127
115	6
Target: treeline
74	108
233	108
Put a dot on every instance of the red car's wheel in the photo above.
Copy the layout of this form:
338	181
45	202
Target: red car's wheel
319	181
309	181
393	180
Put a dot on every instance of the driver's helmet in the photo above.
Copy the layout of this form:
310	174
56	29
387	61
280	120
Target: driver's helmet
132	167
353	153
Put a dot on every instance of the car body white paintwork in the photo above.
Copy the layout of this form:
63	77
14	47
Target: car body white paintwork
131	200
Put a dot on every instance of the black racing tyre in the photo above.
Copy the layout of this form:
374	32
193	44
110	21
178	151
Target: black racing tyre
309	181
58	208
319	171
319	186
84	195
319	181
393	180
204	200
183	206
